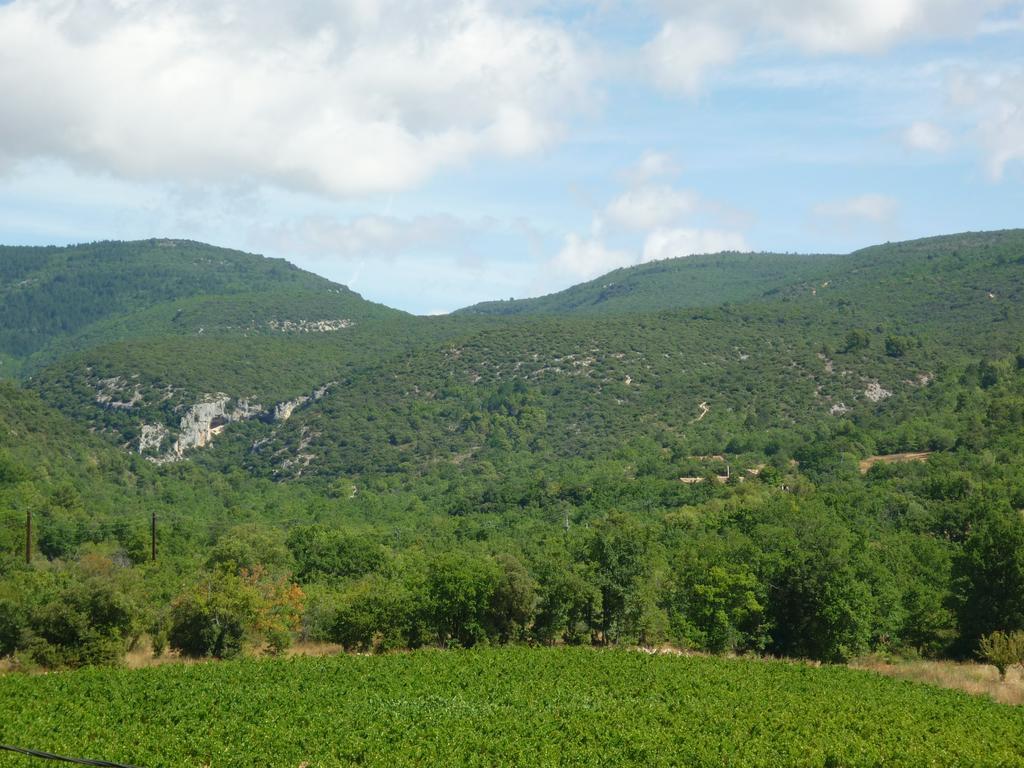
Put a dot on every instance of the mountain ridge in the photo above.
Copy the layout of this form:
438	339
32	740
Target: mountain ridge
55	300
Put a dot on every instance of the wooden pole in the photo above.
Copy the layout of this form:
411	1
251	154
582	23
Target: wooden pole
28	537
153	534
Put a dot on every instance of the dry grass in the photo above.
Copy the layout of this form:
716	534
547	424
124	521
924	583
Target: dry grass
314	649
142	655
977	679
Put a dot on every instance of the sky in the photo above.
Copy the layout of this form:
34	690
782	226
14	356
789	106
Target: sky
434	154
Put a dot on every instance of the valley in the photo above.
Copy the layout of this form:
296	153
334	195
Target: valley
825	469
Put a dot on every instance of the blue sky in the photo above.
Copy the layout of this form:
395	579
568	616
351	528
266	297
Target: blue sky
434	154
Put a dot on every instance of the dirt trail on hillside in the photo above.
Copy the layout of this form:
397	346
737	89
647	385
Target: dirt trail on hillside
892	458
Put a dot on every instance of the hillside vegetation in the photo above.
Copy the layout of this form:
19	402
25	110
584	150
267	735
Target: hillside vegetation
53	300
696	281
740	278
403	394
687	475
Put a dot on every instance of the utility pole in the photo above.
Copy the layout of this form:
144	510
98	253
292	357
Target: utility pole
28	536
153	534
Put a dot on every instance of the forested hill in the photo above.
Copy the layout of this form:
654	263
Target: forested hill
818	463
398	394
713	280
694	281
55	299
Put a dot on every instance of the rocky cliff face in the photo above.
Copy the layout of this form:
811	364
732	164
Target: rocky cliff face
283	411
152	437
208	418
204	420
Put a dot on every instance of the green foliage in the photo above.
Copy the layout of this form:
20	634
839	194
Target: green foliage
858	339
225	611
84	615
1002	650
719	610
898	346
320	551
53	295
524	707
990	575
460	591
481	480
694	281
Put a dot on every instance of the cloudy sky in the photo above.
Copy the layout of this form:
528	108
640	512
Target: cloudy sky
432	154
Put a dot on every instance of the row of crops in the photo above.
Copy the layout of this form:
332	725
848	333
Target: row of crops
513	706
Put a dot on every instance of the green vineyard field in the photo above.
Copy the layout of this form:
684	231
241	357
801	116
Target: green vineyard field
513	706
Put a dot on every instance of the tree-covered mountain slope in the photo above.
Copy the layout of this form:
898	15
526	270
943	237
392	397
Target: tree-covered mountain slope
713	280
695	281
690	475
882	327
55	300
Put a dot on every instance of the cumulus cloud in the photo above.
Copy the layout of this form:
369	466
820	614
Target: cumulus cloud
696	37
658	219
651	165
994	100
583	258
927	137
337	97
877	209
386	237
683	51
647	207
677	242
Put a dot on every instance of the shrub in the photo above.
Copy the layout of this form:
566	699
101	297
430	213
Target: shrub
225	610
1002	650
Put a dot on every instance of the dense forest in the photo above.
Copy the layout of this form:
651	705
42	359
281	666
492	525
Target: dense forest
685	453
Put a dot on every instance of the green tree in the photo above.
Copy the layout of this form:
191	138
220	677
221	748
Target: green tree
460	591
226	610
1002	650
320	552
514	600
989	577
856	339
719	609
617	552
818	607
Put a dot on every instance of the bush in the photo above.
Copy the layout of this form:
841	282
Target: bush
1002	650
12	625
898	346
225	611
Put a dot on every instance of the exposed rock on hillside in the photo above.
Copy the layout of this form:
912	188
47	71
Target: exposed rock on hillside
208	418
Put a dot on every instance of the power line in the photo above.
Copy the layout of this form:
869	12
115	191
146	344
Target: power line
63	758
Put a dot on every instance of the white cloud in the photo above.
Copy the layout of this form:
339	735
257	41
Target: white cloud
337	97
927	137
877	209
698	37
388	237
651	165
585	258
650	206
1003	24
994	101
677	242
853	26
1002	133
683	51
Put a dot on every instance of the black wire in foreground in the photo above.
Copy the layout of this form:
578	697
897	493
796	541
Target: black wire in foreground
62	758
